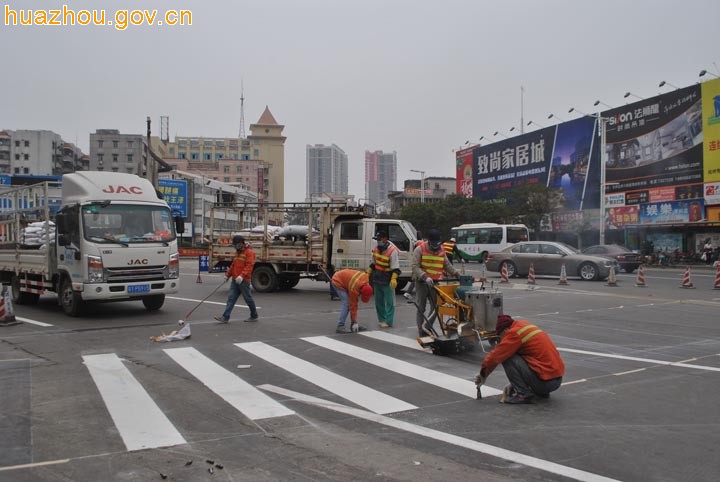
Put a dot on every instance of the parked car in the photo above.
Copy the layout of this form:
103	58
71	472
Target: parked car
548	258
628	260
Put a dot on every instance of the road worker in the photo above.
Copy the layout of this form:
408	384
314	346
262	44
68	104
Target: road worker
532	363
451	251
429	264
240	271
350	285
384	271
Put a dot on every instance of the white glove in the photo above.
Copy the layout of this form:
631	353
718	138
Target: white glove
429	281
239	280
354	327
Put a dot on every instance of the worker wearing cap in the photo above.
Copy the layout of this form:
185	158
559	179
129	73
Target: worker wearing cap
429	264
384	271
531	361
450	248
240	272
350	285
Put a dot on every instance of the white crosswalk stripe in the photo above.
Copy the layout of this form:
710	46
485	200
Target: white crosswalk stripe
138	419
357	393
432	377
247	399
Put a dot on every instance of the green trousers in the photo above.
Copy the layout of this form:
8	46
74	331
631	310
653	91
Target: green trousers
384	303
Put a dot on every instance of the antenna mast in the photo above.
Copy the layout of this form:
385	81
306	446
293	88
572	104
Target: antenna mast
241	134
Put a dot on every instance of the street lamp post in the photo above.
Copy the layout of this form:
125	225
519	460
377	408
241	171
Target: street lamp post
598	102
603	162
663	83
553	116
422	184
535	123
628	94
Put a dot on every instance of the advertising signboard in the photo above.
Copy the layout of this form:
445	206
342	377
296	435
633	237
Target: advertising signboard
565	157
711	129
614	200
174	193
619	217
670	212
712	193
655	142
464	172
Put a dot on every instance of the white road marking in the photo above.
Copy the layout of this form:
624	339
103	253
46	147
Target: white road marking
583	311
645	360
33	322
553	313
582	380
432	377
616	307
247	399
206	302
139	420
629	372
445	437
649	304
395	339
34	465
357	393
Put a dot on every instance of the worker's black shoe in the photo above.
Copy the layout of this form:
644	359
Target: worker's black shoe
220	319
341	329
517	399
334	298
252	318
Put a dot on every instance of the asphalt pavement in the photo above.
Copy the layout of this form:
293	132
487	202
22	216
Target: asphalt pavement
287	398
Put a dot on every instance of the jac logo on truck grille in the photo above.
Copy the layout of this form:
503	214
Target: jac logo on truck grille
123	190
133	262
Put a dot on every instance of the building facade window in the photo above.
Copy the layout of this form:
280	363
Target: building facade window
194	155
100	144
207	156
226	179
17	143
130	144
226	168
115	158
172	151
26	157
130	157
27	143
115	144
100	158
17	157
245	157
26	170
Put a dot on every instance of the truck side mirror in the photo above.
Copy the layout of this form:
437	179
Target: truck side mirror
179	225
63	240
61	223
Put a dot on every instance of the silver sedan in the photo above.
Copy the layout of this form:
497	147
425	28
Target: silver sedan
548	258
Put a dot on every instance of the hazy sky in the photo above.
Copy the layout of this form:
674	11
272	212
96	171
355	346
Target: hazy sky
417	77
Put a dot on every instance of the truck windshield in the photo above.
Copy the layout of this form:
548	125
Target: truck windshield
124	223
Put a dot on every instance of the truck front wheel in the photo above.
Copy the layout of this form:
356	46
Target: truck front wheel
264	279
21	297
154	302
71	302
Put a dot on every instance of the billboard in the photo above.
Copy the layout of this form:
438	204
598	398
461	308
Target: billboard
711	130
464	172
655	142
174	193
672	212
565	157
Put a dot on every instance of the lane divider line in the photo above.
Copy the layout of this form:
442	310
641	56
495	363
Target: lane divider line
191	300
445	437
346	388
644	360
33	322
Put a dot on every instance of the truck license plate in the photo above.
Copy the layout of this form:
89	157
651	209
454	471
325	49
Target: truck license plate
138	289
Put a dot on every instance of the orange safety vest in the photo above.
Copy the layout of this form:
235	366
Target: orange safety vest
382	261
449	247
432	264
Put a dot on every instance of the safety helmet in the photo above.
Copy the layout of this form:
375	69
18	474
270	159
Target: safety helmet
366	292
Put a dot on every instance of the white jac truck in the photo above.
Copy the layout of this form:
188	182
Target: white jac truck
310	240
112	239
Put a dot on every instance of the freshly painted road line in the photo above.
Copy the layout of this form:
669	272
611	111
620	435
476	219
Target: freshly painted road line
33	322
206	302
139	420
432	377
395	339
34	465
465	443
645	360
357	393
247	399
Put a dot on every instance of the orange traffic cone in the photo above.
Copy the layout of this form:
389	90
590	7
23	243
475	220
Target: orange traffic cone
716	286
563	276
640	281
504	274
531	275
612	277
686	282
199	279
7	314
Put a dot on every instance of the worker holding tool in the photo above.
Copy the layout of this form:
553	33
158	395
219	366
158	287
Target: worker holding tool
384	271
350	285
240	272
429	263
531	361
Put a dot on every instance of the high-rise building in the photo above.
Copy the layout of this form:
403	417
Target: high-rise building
114	152
326	170
380	175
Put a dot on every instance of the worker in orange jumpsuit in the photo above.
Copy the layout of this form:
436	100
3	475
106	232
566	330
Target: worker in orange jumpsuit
531	361
350	285
240	271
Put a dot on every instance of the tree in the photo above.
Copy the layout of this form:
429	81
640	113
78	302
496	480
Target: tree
531	203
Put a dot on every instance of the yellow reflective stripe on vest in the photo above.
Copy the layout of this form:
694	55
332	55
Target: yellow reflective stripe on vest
354	281
525	328
432	264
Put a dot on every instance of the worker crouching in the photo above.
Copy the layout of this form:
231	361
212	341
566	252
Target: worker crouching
531	361
351	285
